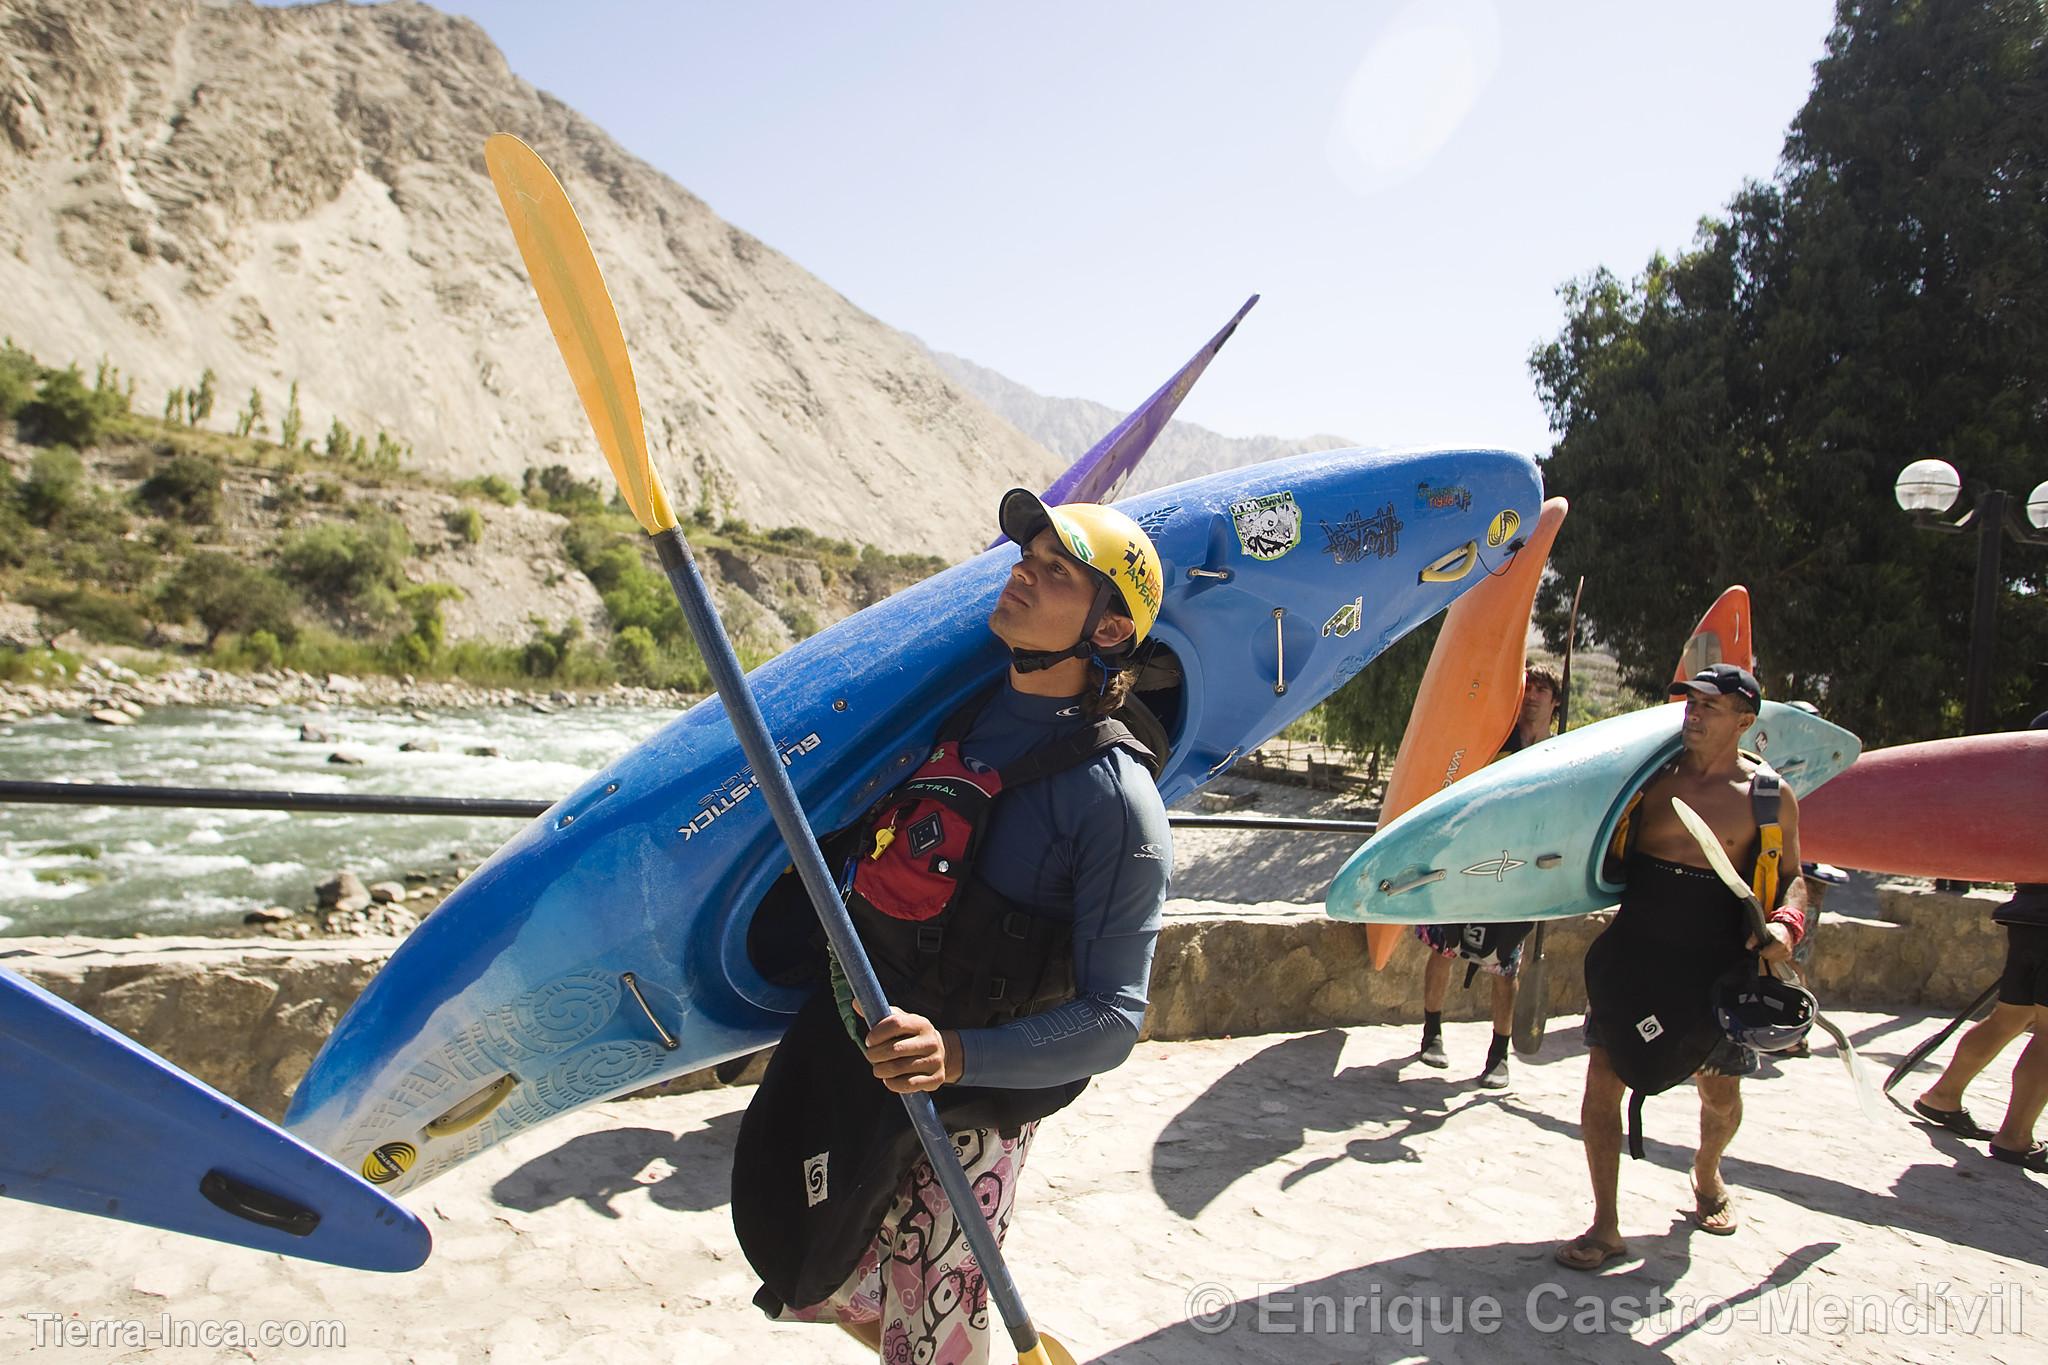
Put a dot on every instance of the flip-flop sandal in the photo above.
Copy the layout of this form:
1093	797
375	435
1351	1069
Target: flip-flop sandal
1955	1120
2034	1159
1573	1254
1718	1220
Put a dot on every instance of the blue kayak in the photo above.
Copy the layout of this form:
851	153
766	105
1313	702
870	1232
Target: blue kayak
604	948
1524	838
99	1124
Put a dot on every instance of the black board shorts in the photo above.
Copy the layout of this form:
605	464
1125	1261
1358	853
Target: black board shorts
1729	1058
2025	981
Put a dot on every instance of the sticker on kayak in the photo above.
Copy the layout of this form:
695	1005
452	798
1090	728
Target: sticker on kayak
1267	527
1351	539
1346	620
1496	868
816	1190
1649	1029
1455	498
736	788
389	1162
1503	528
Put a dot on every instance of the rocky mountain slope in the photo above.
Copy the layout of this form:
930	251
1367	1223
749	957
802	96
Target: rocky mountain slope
298	196
1069	426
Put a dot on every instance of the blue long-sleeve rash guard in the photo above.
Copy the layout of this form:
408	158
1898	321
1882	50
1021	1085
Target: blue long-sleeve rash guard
1090	843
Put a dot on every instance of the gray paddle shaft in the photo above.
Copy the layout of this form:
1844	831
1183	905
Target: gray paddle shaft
759	746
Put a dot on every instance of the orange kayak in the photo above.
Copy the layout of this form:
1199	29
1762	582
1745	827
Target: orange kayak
1722	636
1470	691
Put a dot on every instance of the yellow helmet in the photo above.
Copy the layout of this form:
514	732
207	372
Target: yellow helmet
1101	537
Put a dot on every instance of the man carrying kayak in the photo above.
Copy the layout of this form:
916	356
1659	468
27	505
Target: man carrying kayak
1009	895
1495	947
1651	976
2022	1005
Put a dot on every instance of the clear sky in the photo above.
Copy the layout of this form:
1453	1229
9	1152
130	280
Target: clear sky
1077	194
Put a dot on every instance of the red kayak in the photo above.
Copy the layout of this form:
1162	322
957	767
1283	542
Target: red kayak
1975	809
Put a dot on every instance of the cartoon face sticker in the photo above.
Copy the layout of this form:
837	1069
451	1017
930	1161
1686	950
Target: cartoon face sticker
1267	527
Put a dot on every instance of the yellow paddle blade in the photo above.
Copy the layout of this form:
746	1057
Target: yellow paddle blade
580	313
1047	1352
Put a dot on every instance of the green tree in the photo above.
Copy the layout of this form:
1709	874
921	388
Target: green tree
1367	714
249	421
19	376
1738	414
467	523
356	569
55	485
93	614
199	405
186	487
66	412
288	426
225	594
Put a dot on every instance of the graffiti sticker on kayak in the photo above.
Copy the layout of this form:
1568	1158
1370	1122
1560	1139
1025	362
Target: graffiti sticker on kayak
1346	620
1503	528
1267	527
1496	868
740	785
1455	498
1350	540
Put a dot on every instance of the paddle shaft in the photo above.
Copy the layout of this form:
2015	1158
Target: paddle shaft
1532	1000
1921	1053
759	746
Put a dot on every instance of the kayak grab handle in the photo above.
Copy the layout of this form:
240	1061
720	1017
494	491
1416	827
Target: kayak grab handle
668	1040
1279	652
474	1110
1220	575
1393	888
261	1207
1453	566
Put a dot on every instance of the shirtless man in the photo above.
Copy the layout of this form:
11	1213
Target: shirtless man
1677	931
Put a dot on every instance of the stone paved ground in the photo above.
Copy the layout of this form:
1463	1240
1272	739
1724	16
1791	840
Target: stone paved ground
1281	1180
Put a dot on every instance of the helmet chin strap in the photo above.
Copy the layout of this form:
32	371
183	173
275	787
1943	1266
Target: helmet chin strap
1036	660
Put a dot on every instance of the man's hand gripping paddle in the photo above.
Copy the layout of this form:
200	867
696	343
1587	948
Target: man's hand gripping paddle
1717	858
586	326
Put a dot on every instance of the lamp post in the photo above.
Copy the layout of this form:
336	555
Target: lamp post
1928	488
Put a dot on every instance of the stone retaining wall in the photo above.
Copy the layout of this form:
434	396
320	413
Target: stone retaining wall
248	1016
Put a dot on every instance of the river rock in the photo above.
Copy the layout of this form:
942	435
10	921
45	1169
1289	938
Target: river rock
273	914
420	746
484	751
109	716
387	893
313	734
344	891
345	758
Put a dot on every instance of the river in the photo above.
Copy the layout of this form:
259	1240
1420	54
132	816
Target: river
117	871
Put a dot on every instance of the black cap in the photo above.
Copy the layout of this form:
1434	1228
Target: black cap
1728	680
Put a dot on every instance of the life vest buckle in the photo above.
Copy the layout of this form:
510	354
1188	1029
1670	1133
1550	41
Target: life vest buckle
930	939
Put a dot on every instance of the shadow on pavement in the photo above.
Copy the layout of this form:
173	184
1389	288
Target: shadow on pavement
1506	1301
1264	1108
694	1170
